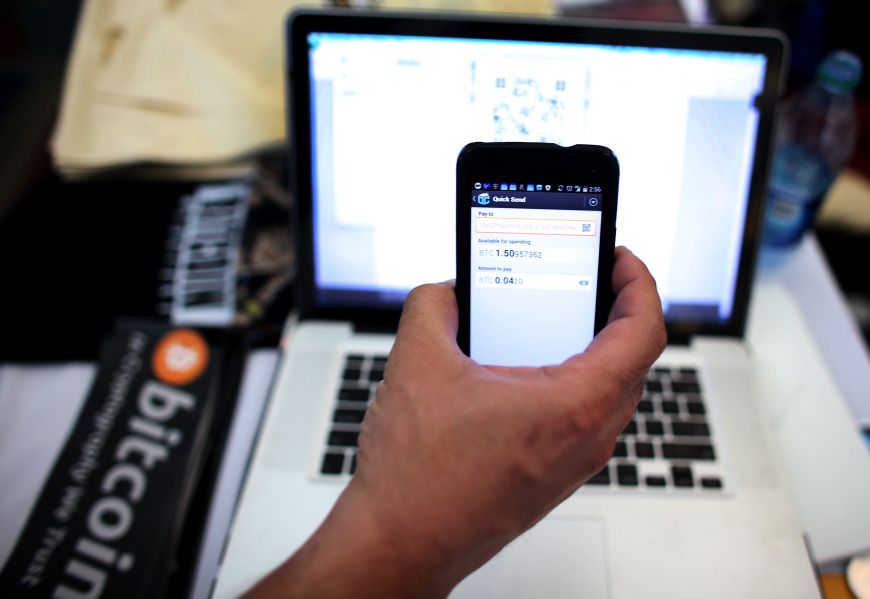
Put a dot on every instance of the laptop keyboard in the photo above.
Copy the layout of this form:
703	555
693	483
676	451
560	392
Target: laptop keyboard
359	378
668	444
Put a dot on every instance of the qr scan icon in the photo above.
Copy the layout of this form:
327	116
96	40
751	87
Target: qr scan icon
587	227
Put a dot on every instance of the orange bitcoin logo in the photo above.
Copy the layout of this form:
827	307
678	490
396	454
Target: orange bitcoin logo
180	357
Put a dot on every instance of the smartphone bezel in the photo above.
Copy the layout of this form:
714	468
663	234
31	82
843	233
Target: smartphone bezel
594	165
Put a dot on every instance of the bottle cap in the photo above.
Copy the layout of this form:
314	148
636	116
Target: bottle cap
840	72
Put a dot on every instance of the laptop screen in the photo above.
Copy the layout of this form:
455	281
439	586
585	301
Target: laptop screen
389	114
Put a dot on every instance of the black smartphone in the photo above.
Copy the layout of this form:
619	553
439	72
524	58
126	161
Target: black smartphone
535	232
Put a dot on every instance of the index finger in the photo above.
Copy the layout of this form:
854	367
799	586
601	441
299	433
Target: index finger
427	331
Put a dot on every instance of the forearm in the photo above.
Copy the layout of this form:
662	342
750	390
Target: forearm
354	554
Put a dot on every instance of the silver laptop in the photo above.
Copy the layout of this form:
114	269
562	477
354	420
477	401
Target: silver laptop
692	503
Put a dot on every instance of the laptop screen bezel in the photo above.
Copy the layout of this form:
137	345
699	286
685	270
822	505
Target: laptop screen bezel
303	22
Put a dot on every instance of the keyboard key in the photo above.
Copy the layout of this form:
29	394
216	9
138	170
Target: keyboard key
690	429
711	482
688	387
620	451
652	386
626	474
350	367
353	464
348	393
376	375
645	407
654	427
682	476
656	481
630	428
688	375
602	478
696	408
332	463
688	451
352	416
643	449
380	359
351	374
343	438
355	357
660	370
670	407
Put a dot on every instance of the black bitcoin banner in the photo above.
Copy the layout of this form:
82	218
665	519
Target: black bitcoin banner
109	517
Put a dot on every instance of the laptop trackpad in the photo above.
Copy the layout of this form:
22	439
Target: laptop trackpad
559	557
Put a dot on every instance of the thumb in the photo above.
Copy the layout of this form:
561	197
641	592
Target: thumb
635	335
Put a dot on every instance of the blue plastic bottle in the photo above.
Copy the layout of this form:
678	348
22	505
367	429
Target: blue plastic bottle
817	132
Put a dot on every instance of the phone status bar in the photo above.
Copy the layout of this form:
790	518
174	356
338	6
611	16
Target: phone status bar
557	187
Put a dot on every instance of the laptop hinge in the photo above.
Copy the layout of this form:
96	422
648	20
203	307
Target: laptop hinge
375	327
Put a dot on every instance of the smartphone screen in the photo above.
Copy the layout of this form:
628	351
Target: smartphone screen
534	256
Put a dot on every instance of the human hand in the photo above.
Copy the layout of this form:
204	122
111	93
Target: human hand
456	459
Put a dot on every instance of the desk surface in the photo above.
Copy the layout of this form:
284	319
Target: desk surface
804	272
813	371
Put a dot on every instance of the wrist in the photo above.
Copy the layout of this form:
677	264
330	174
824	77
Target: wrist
399	558
411	550
359	551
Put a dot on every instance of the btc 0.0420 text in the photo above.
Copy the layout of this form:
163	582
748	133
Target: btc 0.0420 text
484	280
488	253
